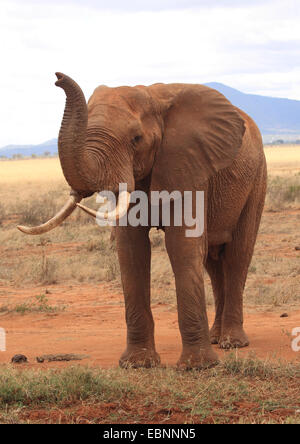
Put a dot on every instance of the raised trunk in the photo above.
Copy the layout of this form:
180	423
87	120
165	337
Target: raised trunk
72	137
85	161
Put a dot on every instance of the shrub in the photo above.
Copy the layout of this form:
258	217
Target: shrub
2	213
36	210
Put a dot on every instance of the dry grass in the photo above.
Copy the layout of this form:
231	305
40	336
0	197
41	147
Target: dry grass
237	391
283	192
283	159
68	257
80	251
29	171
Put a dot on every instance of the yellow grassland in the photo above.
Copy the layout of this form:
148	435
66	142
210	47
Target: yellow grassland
281	159
30	170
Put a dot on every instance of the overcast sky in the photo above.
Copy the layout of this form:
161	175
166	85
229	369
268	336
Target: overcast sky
251	45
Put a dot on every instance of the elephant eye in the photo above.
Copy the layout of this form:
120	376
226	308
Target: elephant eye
136	140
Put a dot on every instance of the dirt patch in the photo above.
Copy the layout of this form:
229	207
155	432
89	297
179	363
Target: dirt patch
106	413
93	324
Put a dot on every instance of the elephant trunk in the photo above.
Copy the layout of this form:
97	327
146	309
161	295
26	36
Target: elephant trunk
72	135
83	167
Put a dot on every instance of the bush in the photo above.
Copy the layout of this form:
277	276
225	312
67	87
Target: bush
37	210
2	213
283	191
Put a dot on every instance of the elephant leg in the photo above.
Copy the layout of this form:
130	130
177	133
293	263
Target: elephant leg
187	256
237	258
214	267
133	246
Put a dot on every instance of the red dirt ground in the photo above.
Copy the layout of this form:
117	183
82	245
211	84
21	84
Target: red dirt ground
98	414
93	324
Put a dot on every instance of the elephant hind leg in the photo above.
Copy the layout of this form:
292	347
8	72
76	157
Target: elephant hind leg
236	261
214	267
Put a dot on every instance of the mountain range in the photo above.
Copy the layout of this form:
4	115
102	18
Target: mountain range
276	118
49	148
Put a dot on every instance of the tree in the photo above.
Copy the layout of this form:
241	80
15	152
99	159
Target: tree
17	156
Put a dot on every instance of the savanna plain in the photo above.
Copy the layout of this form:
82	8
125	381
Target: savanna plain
61	293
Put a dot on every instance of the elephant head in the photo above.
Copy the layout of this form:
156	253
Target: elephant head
178	135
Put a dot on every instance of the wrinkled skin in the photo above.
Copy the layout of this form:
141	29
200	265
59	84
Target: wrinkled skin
173	137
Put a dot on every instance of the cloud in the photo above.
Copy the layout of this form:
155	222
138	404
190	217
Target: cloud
153	5
253	47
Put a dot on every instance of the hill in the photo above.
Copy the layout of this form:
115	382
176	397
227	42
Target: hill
28	150
276	118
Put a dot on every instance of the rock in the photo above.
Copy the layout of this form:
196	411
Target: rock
19	359
297	248
284	315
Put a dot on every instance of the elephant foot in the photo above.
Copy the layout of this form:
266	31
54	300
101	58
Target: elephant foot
198	360
234	337
139	358
215	333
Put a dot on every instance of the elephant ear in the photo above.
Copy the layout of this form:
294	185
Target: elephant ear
203	134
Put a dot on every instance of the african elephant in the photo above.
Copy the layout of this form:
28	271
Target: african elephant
171	137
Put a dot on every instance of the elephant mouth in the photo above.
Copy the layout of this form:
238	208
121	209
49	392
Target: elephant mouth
116	214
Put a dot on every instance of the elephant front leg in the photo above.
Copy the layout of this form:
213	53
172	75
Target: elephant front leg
134	253
186	255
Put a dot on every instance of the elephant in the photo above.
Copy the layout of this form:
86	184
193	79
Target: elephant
170	137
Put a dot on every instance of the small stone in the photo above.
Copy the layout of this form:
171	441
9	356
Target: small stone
19	359
284	315
297	248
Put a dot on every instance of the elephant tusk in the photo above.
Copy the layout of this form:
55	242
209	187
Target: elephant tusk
116	214
67	209
121	208
89	211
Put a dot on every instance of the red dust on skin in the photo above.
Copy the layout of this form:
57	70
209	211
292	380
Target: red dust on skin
93	324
